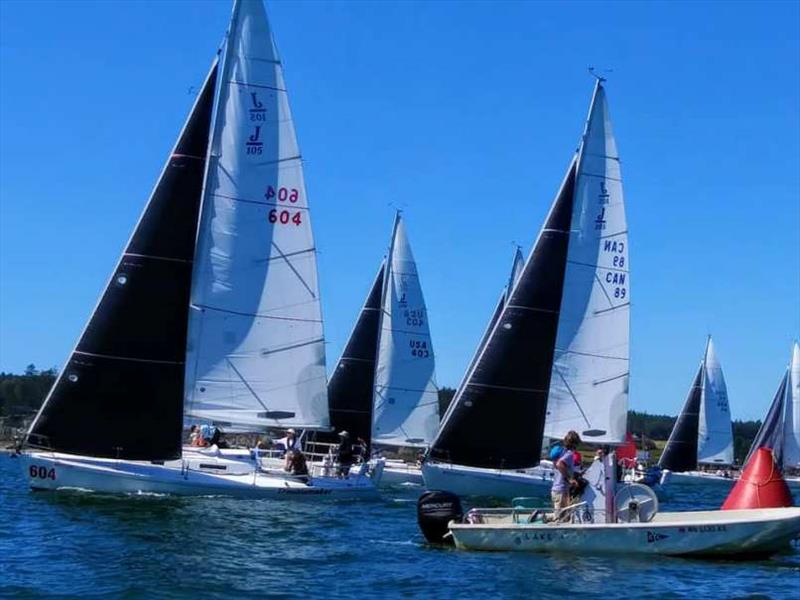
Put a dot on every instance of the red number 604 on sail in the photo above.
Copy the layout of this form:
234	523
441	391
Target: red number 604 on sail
284	216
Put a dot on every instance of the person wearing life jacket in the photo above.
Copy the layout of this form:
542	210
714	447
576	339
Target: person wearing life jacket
345	454
564	467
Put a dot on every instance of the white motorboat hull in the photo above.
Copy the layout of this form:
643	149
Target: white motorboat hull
198	475
495	483
705	533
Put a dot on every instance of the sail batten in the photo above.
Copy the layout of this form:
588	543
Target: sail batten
255	335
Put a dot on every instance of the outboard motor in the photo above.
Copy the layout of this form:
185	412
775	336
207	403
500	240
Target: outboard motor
434	511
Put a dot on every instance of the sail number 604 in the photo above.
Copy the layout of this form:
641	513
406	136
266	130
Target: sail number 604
284	217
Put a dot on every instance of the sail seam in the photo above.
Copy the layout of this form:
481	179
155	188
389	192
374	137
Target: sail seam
292	347
291	266
256	85
259	202
311	250
601	381
167	258
128	358
617	179
591	266
591	355
260	316
605	310
280	160
506	387
178	155
533	308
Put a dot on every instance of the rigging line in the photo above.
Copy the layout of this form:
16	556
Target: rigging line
532	308
605	310
353	358
602	287
259	202
402	389
271	61
260	316
128	358
177	260
297	274
600	155
256	85
569	389
247	385
177	155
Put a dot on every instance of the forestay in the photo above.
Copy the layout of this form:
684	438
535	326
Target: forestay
256	354
589	383
714	432
406	405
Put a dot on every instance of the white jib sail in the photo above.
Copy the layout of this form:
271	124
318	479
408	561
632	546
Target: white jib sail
589	381
714	432
791	416
256	355
406	403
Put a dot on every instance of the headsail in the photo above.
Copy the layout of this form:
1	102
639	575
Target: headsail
406	401
791	420
256	355
350	389
120	394
780	430
589	384
714	432
497	416
680	453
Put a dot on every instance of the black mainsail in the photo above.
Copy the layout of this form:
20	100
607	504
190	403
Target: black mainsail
680	453
350	388
120	394
507	386
771	433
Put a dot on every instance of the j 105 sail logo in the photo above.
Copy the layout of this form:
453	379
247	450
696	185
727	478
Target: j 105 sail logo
254	145
602	200
41	472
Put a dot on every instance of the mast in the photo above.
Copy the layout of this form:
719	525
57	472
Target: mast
256	355
791	432
405	403
715	433
350	388
120	395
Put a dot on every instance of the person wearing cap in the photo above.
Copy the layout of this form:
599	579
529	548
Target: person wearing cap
289	442
564	473
344	455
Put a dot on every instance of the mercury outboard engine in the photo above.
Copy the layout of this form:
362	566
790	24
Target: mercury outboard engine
434	511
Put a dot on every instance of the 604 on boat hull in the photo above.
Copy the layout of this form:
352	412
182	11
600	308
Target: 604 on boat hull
703	533
206	476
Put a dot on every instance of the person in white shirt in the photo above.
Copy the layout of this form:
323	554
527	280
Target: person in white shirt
564	472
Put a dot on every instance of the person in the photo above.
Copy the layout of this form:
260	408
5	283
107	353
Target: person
194	435
296	463
564	477
344	455
289	442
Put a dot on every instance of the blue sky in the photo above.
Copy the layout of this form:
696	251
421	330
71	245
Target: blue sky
463	114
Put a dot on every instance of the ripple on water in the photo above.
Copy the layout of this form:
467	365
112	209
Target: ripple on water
105	546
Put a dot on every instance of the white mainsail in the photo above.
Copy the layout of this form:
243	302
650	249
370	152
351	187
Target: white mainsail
791	416
714	433
256	354
405	404
589	382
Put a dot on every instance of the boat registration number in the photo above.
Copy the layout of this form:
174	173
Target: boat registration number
40	472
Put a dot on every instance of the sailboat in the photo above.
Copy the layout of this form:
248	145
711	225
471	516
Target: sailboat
383	389
556	358
780	430
212	313
702	434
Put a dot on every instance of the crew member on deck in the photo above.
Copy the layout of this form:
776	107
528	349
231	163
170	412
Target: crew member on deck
564	473
289	442
344	455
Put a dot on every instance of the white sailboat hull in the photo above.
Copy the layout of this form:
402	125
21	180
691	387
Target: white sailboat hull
194	476
706	533
496	483
699	478
397	472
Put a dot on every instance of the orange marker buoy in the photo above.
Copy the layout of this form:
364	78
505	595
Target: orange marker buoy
760	486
